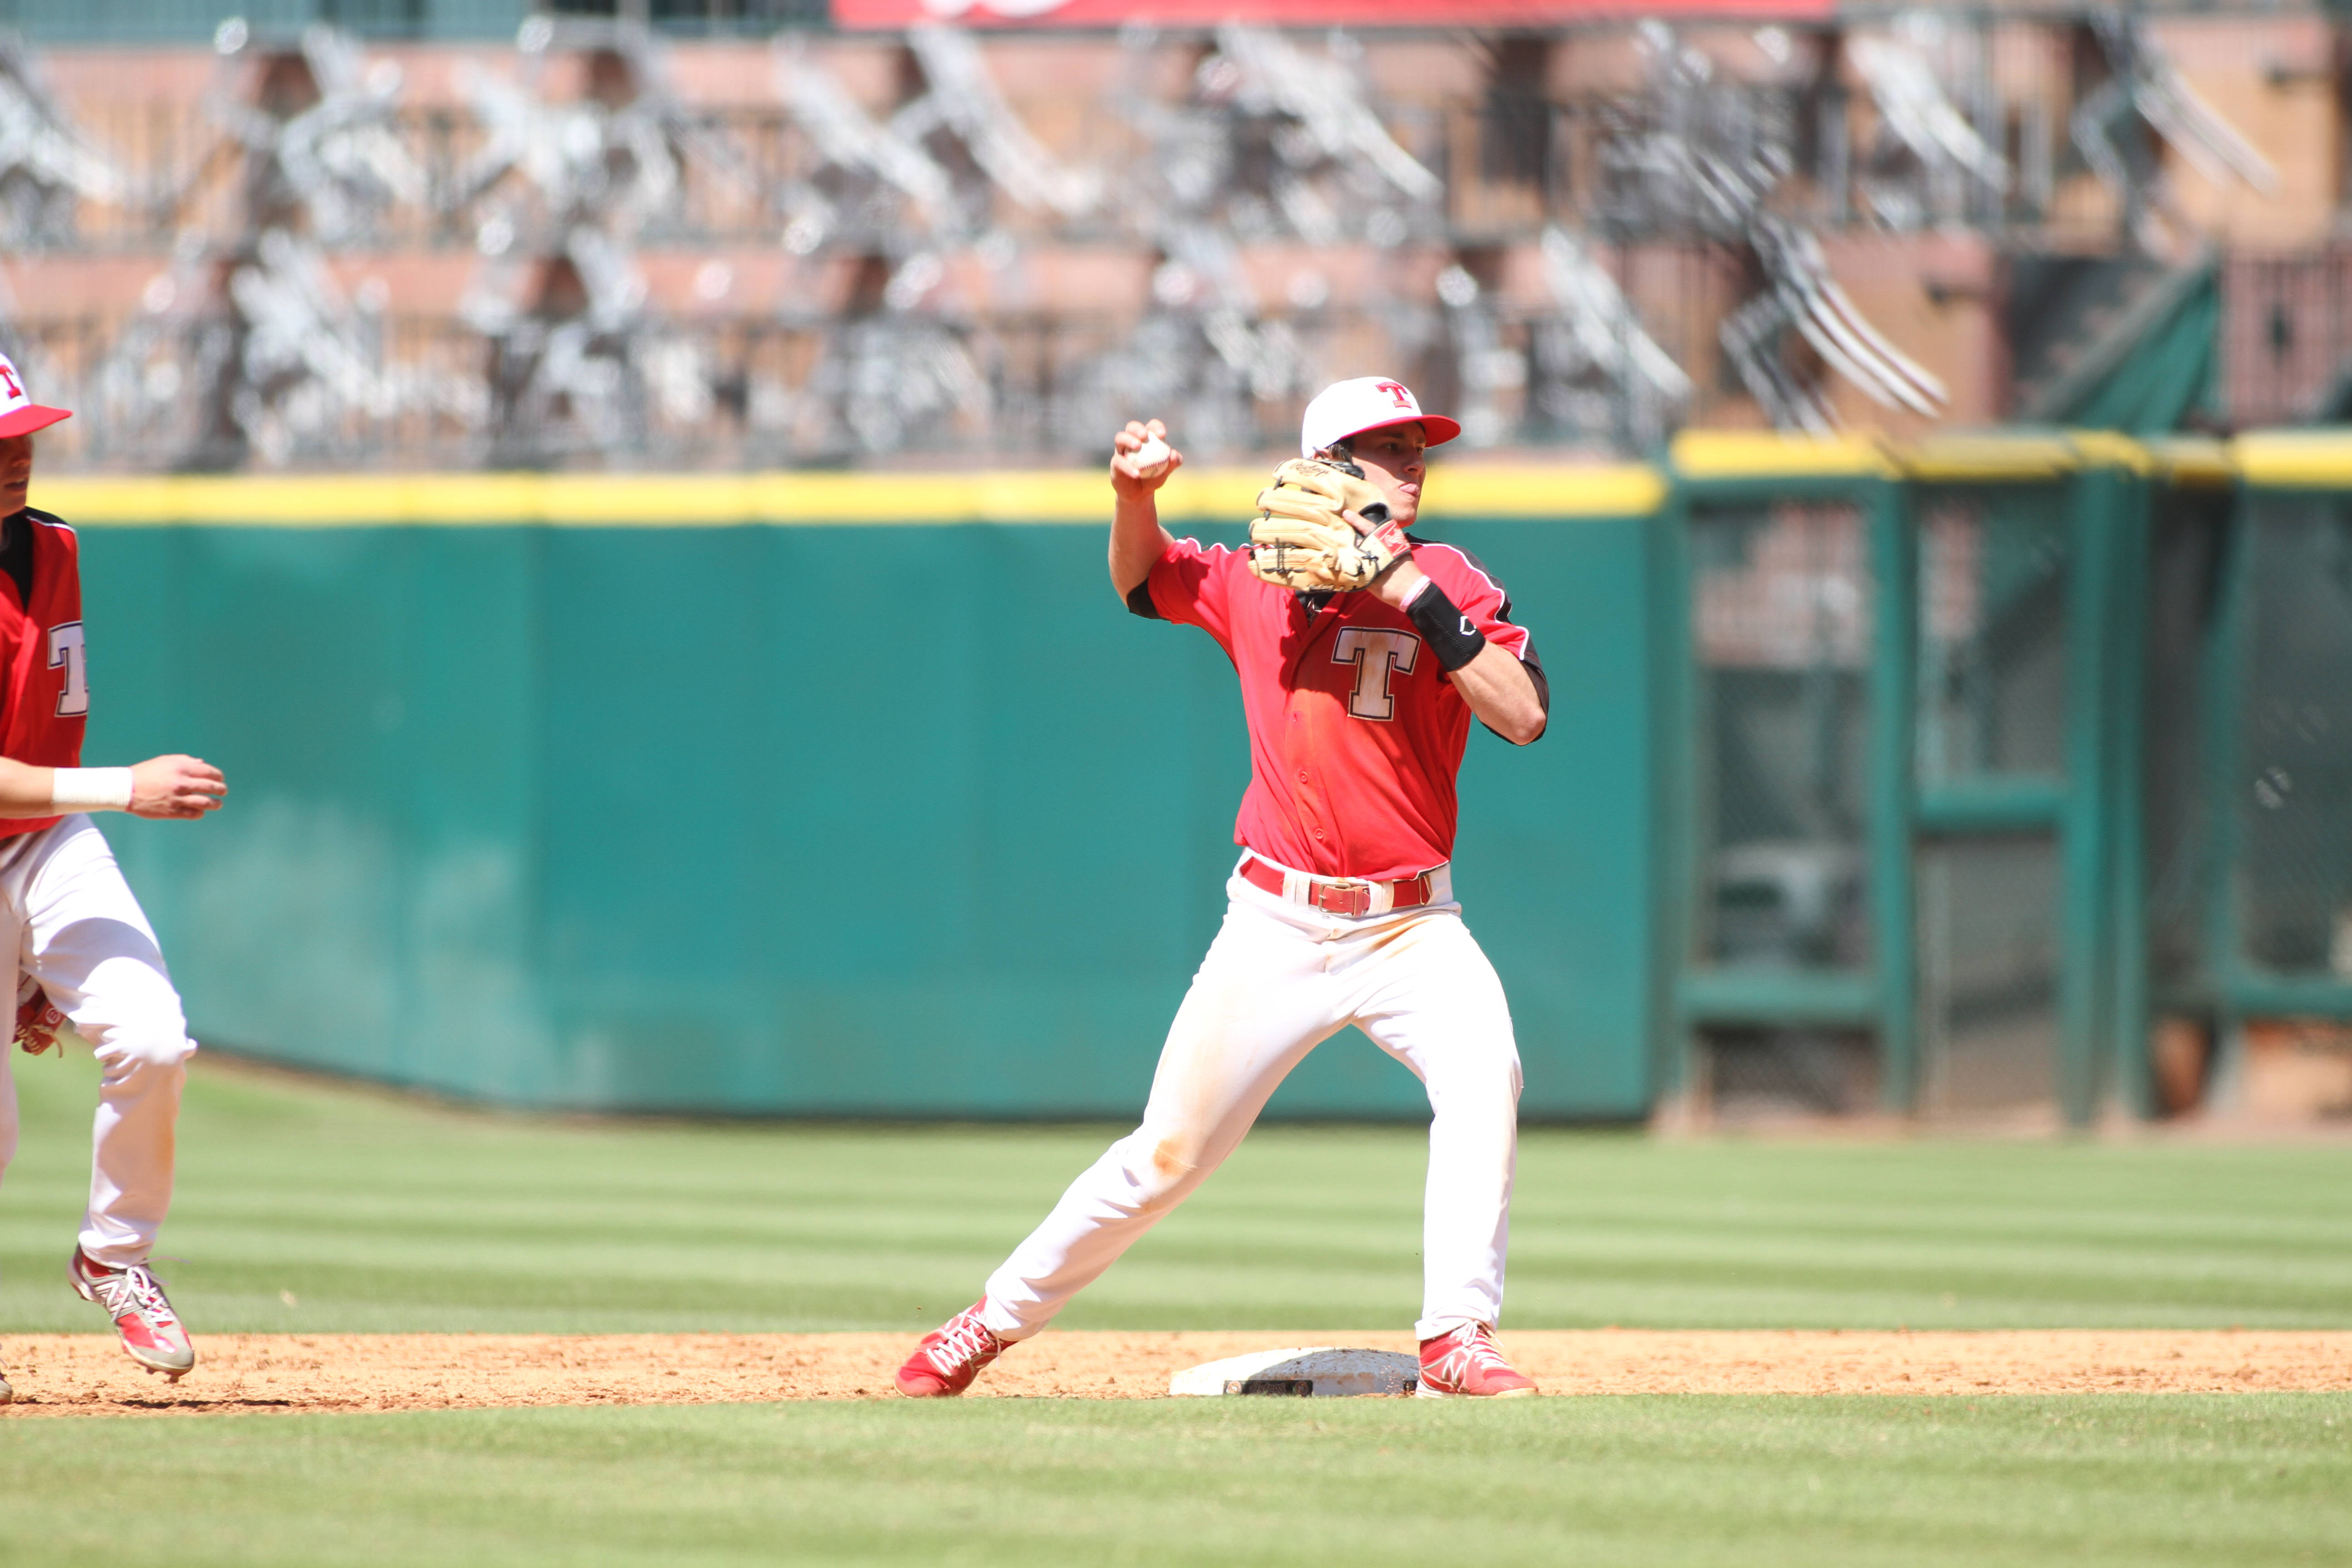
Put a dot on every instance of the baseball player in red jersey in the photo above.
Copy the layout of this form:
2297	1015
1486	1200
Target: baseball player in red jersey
85	954
1340	910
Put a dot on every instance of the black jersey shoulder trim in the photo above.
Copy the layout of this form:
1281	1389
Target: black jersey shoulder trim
1504	615
1533	660
1530	659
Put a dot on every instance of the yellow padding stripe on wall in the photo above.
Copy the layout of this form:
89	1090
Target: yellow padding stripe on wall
706	501
2295	459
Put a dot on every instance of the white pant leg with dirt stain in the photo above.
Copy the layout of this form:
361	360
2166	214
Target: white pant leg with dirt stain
70	918
1280	979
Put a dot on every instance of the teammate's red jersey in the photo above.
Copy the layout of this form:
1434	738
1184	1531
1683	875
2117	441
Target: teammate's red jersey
1356	733
44	678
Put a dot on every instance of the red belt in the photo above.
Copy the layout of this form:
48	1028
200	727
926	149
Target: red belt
1341	896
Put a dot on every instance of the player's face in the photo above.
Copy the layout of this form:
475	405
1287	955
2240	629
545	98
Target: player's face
1396	460
16	473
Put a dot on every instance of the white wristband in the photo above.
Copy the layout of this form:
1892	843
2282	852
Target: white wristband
91	789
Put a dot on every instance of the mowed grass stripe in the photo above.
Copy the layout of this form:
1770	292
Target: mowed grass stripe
1752	1482
377	1213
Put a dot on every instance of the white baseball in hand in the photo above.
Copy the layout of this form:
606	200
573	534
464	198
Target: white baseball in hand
1150	459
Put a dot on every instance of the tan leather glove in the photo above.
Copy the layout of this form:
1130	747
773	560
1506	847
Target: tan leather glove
1299	540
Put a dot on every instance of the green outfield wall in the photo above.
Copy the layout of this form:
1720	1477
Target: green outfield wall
796	795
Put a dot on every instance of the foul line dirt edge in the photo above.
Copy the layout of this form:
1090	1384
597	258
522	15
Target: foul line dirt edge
87	1374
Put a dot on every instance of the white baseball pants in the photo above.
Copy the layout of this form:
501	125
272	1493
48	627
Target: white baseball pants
1280	979
69	917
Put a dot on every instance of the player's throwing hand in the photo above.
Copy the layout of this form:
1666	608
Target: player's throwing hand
176	786
1141	460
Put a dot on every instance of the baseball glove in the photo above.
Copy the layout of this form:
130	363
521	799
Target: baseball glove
37	1018
1299	540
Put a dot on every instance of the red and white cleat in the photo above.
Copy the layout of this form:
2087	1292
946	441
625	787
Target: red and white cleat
1464	1364
152	1332
952	1356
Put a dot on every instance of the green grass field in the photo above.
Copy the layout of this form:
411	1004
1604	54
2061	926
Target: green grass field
375	1214
1747	1483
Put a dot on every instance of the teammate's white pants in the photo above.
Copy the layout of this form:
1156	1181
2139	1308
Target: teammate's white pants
1280	979
69	917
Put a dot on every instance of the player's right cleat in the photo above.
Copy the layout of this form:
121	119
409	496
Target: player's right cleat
952	1356
1464	1364
6	1392
152	1332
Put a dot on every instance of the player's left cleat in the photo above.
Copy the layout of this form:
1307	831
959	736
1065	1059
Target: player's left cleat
152	1332
1464	1364
952	1356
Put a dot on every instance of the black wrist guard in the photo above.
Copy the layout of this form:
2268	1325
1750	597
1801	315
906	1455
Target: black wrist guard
1448	632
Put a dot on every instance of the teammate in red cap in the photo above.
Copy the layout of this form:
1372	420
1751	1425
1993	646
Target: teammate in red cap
85	953
1341	910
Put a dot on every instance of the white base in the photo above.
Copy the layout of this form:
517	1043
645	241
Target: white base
1323	1372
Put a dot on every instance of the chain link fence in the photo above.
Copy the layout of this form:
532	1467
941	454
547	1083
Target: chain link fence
1989	975
1779	1074
1993	634
2292	787
2024	1003
1783	618
1992	708
2188	541
1783	625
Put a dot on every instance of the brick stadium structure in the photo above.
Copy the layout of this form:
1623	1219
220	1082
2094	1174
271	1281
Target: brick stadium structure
601	241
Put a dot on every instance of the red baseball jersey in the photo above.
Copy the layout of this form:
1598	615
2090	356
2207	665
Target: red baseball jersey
1356	733
44	675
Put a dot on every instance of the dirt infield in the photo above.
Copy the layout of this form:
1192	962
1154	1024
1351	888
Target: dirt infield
85	1374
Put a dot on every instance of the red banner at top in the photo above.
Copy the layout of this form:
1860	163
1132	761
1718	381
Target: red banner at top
894	15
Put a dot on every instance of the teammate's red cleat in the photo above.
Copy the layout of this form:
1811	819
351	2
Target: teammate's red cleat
152	1332
1464	1364
952	1356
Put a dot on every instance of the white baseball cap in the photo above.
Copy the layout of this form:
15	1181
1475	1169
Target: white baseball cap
1348	409
20	415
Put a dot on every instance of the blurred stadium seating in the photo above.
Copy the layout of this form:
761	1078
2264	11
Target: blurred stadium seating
707	238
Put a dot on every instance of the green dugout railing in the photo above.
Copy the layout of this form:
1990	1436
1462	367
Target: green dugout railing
1983	755
2266	887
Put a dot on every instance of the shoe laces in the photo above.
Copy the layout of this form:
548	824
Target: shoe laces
132	1288
965	1341
1473	1345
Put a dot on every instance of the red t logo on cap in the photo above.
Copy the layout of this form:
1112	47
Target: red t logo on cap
8	379
1403	398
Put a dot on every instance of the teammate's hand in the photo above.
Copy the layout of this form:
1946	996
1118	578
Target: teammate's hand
176	786
1130	484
